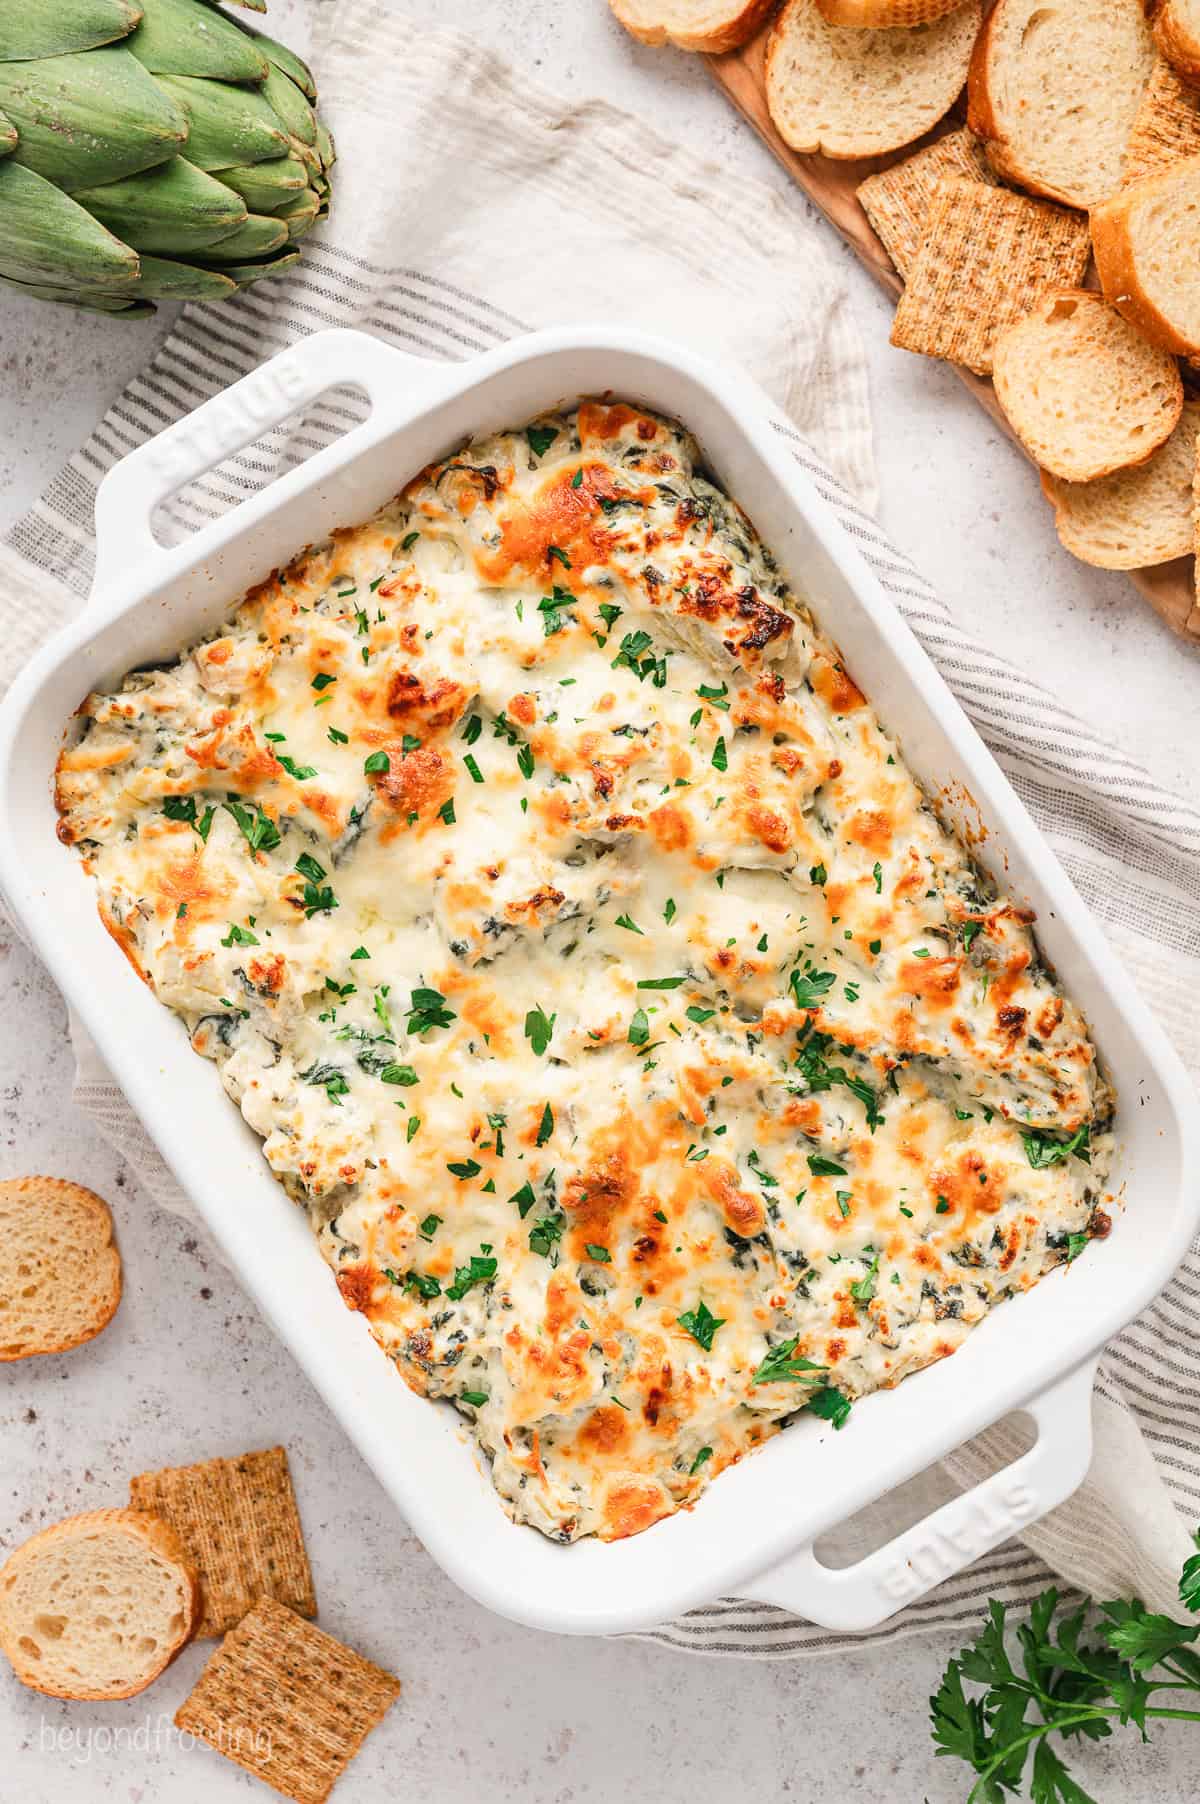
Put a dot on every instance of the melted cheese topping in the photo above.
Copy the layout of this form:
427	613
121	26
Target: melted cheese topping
651	1061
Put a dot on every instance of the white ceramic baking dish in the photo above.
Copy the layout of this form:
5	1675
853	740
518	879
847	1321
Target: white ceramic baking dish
753	1531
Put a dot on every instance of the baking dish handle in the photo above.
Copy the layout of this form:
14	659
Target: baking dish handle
231	420
956	1535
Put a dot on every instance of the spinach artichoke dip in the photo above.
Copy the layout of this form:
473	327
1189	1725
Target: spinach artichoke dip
650	1060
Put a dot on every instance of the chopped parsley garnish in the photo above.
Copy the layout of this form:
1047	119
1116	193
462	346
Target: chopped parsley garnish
403	1075
545	1125
639	1028
877	873
336	736
715	696
556	554
446	812
700	1015
539	1026
524	1199
1043	1149
720	757
429	1227
844	1200
301	772
818	876
473	770
525	761
360	952
418	1282
1075	1245
414	1127
541	438
610	613
701	1458
863	1289
545	1235
254	824
821	1167
819	1074
322	680
464	1168
239	936
669	911
577	479
476	1399
764	1177
783	1365
830	1405
472	728
409	540
183	808
478	1271
701	1324
330	1078
600	1254
968	931
810	985
378	761
428	1009
660	983
628	924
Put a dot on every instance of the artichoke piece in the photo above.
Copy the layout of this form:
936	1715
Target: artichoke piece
47	238
295	114
300	215
265	187
287	62
326	146
90	117
8	136
226	126
256	237
162	280
177	37
170	210
34	28
92	300
251	6
245	273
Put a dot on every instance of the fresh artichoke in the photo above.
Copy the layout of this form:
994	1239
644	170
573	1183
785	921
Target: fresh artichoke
151	150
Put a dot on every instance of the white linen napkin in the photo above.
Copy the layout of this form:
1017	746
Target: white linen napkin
494	208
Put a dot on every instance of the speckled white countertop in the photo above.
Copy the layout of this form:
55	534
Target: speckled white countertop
188	1369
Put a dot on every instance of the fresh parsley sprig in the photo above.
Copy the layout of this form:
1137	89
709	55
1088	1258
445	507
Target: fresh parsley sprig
1080	1671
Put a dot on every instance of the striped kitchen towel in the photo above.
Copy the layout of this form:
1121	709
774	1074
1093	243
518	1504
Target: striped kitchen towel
500	208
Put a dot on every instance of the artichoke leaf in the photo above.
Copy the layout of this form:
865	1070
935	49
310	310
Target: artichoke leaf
286	61
265	187
295	114
326	146
91	117
163	280
48	238
227	126
8	136
177	37
36	28
256	237
251	6
300	215
245	273
92	300
171	210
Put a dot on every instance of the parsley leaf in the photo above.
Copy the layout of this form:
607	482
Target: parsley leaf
783	1365
1043	1148
426	1010
183	808
254	824
541	438
701	1324
538	1028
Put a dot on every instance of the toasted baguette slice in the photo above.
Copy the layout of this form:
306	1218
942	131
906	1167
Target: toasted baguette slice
97	1606
711	25
1147	246
1177	34
60	1274
1083	391
1136	517
850	93
878	15
1166	129
986	258
1054	87
897	200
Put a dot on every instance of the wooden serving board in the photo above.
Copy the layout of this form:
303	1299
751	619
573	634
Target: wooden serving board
830	184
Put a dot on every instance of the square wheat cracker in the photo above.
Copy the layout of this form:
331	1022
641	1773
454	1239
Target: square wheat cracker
239	1521
1166	128
287	1702
986	256
897	200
